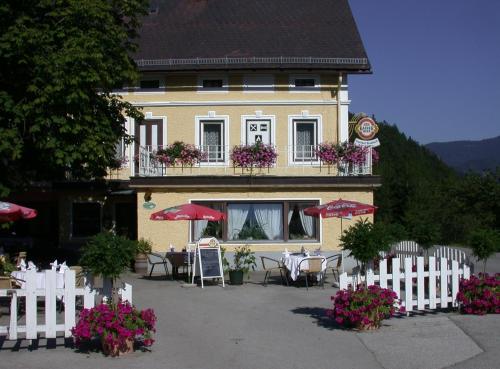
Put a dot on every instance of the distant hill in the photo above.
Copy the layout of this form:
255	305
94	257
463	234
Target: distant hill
469	155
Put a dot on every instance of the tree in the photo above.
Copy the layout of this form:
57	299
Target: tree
484	243
59	62
365	240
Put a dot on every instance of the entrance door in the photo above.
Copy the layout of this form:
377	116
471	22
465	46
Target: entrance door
258	131
149	135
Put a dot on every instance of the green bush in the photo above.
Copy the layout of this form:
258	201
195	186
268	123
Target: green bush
143	246
365	240
484	243
108	255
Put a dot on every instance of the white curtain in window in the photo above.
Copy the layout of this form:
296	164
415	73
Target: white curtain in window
236	217
307	223
290	214
270	219
199	228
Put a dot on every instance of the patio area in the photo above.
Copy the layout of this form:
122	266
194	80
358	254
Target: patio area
253	326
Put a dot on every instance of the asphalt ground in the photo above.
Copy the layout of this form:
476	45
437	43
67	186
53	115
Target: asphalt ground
274	326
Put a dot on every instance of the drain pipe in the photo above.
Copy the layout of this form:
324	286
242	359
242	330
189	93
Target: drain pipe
339	109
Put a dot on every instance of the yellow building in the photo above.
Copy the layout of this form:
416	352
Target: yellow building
222	75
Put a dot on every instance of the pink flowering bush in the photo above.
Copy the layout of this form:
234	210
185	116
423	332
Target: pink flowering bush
480	295
331	154
364	308
179	153
116	325
328	153
258	155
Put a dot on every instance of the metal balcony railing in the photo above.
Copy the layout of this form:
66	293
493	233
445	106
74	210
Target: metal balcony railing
291	160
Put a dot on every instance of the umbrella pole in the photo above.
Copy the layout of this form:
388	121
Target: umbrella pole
341	251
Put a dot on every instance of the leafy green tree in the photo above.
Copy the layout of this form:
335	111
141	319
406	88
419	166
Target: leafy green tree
364	240
108	255
59	62
484	243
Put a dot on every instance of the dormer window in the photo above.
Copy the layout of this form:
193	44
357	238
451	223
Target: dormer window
212	83
304	83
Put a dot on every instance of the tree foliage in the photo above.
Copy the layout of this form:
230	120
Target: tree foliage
484	243
365	240
108	255
59	62
427	198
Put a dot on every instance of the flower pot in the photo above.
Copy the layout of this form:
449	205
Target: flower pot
110	350
141	264
366	327
236	276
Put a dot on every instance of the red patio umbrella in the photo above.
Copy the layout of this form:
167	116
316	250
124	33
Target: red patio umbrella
340	209
11	212
188	212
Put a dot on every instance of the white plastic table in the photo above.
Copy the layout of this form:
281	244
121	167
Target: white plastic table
292	262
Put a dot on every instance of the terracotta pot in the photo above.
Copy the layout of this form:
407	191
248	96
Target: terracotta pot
363	327
141	264
108	350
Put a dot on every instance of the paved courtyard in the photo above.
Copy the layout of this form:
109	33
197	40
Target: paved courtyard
254	326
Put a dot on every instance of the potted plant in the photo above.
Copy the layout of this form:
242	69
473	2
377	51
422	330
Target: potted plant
257	155
243	259
143	247
179	153
108	255
6	267
117	326
365	307
365	240
480	295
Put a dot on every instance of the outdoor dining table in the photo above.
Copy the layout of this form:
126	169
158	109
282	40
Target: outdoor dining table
20	276
180	259
292	261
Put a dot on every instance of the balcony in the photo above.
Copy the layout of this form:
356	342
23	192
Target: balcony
298	160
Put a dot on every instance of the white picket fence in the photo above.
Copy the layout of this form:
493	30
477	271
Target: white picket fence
422	289
51	293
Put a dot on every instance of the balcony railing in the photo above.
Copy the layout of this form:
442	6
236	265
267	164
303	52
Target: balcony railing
292	160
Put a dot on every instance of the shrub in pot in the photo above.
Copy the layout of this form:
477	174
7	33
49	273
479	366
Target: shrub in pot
116	326
243	259
364	240
143	247
480	295
365	307
108	255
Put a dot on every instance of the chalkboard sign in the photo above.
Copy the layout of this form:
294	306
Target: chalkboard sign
209	259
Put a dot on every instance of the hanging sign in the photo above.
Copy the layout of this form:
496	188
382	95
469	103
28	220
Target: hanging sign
366	128
149	205
209	261
370	143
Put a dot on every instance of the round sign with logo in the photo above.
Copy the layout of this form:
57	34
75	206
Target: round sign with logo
366	128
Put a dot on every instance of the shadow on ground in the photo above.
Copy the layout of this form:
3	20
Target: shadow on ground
320	316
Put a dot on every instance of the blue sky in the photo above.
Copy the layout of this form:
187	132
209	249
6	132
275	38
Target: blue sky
436	67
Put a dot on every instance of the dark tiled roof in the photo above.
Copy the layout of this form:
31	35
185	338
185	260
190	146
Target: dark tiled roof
256	34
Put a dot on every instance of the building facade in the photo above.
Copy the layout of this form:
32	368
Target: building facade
222	75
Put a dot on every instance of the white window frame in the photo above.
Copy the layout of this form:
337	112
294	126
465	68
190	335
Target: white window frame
252	88
150	91
295	89
245	118
292	120
215	118
223	89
